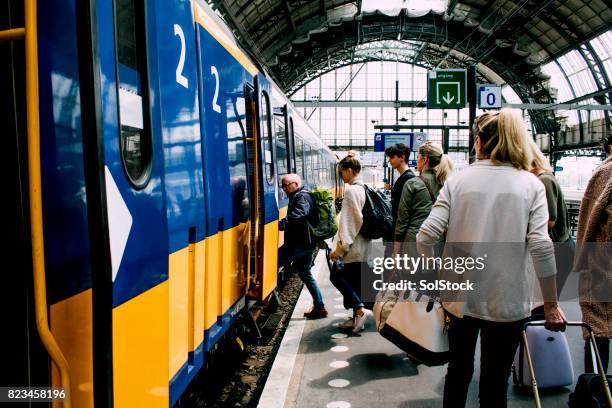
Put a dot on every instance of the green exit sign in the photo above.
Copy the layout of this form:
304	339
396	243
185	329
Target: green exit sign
446	89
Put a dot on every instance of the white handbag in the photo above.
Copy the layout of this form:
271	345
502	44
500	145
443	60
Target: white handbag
415	323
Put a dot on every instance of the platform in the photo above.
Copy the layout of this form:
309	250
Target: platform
320	366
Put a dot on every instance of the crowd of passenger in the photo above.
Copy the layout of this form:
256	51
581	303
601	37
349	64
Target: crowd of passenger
509	194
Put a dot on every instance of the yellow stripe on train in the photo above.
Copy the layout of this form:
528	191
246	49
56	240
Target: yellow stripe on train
210	25
270	257
282	213
140	345
154	332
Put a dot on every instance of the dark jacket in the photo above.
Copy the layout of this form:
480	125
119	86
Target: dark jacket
301	211
415	206
396	192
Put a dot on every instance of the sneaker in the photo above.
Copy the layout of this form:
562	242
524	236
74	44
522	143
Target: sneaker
316	313
360	320
349	324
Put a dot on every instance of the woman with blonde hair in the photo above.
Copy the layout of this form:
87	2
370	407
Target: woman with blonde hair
494	200
351	246
419	193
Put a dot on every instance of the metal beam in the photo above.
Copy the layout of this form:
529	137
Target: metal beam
558	106
566	147
289	15
357	104
591	95
414	104
397	127
451	6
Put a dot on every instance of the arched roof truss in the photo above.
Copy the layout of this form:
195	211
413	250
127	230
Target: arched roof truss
509	40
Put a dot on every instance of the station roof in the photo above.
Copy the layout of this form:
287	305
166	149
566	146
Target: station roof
508	40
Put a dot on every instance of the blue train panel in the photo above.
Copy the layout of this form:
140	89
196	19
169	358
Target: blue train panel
66	231
180	381
223	112
175	41
137	216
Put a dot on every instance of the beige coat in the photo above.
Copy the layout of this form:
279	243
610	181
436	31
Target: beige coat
594	262
350	244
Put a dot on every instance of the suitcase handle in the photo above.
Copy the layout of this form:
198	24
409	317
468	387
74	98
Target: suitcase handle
534	384
542	322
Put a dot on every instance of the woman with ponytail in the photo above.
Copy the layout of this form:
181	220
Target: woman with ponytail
495	200
419	193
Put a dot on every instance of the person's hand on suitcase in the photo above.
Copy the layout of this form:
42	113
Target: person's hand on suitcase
555	318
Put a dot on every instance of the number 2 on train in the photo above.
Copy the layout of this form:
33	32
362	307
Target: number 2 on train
215	105
180	78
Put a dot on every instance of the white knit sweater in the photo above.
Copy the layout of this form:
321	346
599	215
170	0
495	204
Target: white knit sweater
349	243
495	207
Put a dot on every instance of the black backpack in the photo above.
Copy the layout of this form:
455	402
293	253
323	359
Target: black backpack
377	215
589	392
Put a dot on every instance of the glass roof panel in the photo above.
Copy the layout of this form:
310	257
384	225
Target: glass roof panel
558	81
578	73
603	47
510	96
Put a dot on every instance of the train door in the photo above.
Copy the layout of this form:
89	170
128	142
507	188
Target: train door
175	42
283	162
133	171
267	200
291	136
224	81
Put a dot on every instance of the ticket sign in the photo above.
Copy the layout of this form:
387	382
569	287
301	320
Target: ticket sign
446	89
489	96
411	139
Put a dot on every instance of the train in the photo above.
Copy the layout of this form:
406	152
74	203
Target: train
145	151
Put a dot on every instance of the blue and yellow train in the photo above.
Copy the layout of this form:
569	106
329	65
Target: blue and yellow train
145	150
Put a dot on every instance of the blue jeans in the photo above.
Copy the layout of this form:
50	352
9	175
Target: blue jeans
347	279
302	261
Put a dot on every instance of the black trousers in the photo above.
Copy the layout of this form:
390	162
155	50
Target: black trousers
498	344
603	346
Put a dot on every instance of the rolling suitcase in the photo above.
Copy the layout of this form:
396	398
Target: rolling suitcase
552	361
585	395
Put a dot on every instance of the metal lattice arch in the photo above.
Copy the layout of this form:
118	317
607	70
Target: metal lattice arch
512	42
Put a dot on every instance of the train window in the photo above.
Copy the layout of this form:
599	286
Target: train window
299	162
135	137
281	146
315	167
267	136
237	155
292	145
308	163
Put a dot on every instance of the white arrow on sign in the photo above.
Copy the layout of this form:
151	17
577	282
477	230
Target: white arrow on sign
448	98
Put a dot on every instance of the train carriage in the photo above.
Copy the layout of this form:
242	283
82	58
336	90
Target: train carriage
162	145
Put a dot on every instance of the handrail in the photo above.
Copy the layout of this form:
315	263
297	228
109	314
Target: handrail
12	34
33	129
